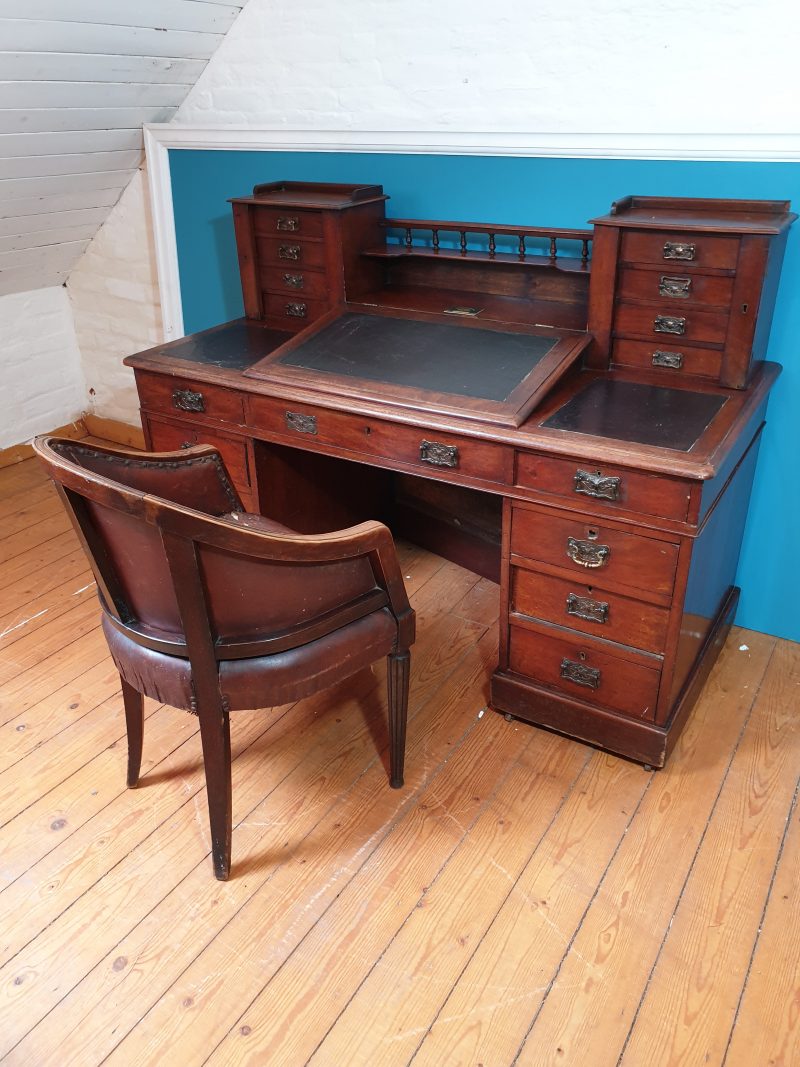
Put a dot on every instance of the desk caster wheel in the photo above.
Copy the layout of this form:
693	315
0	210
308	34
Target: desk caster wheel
508	716
647	767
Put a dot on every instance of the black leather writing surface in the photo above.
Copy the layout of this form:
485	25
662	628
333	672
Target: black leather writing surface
437	357
645	414
236	345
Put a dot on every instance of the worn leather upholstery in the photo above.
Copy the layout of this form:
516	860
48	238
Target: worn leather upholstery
261	680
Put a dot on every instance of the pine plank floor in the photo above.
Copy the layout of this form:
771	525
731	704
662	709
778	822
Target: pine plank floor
524	899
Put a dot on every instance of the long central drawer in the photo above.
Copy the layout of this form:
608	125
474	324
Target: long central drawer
304	425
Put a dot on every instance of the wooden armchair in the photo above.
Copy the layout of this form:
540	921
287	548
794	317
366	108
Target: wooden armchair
212	610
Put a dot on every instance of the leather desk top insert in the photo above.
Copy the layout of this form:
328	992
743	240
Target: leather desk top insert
573	413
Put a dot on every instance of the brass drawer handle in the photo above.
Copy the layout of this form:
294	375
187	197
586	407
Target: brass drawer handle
676	287
288	223
294	281
438	455
580	674
186	400
583	607
297	311
672	360
603	486
289	252
301	423
669	324
679	250
587	553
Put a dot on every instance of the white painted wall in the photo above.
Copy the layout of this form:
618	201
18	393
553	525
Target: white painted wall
40	365
114	296
569	66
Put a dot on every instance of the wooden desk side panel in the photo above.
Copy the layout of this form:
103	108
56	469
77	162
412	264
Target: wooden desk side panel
602	286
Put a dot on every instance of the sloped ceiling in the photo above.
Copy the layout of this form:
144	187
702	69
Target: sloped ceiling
78	78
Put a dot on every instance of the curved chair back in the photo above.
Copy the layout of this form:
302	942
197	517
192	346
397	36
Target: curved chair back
160	562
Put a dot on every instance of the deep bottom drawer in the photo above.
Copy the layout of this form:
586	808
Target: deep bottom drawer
580	668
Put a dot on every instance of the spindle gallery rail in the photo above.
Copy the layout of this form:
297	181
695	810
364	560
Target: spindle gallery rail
413	227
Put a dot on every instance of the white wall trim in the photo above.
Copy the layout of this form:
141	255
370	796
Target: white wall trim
160	137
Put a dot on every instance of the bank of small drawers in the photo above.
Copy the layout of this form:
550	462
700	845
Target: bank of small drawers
673	301
589	607
292	267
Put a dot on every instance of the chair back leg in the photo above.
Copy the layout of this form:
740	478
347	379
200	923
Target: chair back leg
215	734
398	667
134	722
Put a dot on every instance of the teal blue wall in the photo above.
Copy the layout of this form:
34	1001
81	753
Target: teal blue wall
552	192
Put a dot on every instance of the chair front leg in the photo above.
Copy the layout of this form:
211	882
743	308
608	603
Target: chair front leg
134	723
215	734
398	667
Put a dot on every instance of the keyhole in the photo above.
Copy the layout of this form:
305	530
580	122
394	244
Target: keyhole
367	430
582	655
591	533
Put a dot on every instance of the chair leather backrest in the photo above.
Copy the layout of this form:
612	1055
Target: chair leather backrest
119	512
199	482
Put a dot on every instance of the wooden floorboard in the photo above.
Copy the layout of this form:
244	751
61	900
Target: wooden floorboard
523	900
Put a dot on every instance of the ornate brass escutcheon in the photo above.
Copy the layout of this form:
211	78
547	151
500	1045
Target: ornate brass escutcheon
605	487
587	553
669	324
289	252
679	250
583	607
296	311
301	423
438	455
294	281
580	674
288	224
186	400
673	360
675	287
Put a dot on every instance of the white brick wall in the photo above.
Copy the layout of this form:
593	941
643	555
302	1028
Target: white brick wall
42	379
664	66
114	295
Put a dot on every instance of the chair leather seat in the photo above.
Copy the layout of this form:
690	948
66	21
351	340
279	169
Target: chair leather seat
259	681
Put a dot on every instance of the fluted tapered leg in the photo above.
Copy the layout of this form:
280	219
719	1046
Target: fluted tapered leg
134	722
398	667
216	737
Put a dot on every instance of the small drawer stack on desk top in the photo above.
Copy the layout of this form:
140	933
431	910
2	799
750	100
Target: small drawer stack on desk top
293	240
685	286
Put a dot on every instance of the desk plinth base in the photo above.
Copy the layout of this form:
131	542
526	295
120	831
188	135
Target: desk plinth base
643	742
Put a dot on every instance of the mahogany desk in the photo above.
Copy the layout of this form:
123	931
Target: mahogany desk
581	429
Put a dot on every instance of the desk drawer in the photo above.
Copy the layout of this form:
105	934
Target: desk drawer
670	355
284	222
183	397
589	608
581	668
288	251
591	550
292	311
605	489
693	250
292	283
669	323
430	452
673	286
167	436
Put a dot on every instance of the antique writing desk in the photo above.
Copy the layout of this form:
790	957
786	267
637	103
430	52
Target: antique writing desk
572	413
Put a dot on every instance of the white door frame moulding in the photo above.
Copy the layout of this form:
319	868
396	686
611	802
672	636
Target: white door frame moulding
160	137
